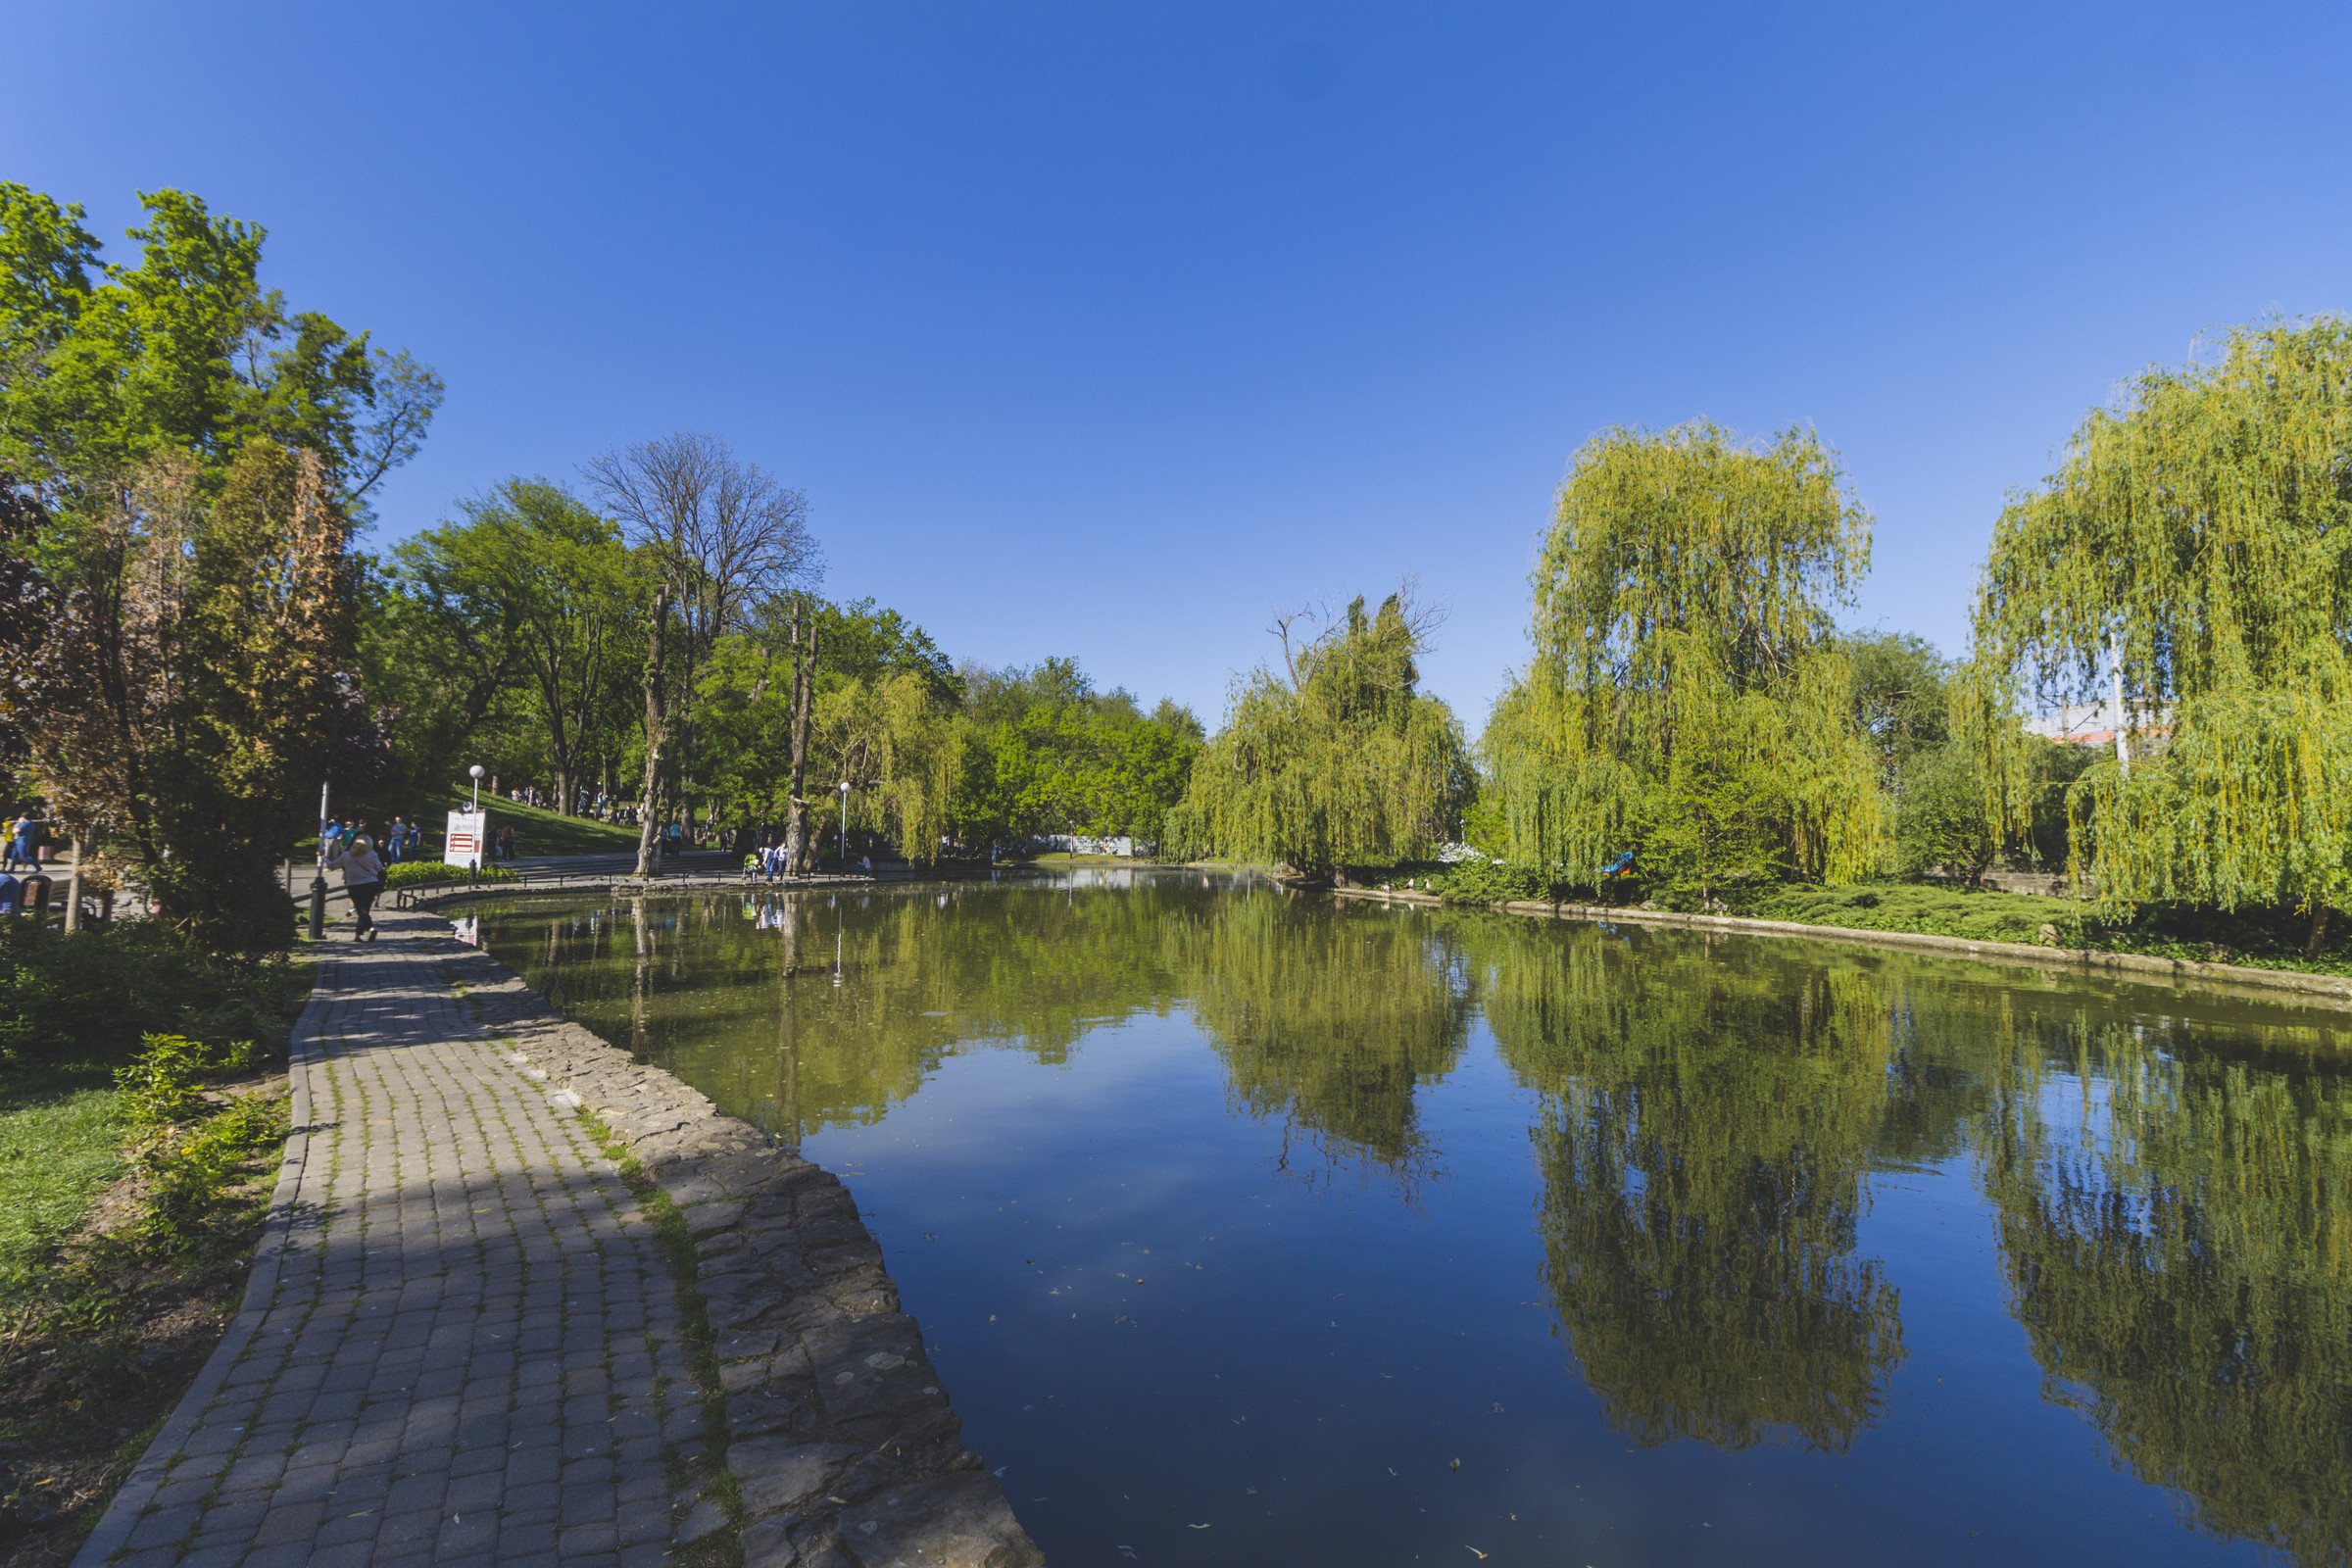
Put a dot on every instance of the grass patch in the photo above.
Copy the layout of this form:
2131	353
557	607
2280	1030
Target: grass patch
101	1329
139	1129
2259	939
538	831
61	1144
708	1470
1932	910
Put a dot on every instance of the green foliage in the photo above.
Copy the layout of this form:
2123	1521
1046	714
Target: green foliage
529	600
1718	832
179	353
190	1150
182	668
1937	911
92	995
1901	697
1047	753
431	873
192	1174
188	686
1682	607
1483	881
2196	536
1940	821
1343	762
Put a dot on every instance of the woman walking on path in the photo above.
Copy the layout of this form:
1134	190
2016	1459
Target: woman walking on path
363	880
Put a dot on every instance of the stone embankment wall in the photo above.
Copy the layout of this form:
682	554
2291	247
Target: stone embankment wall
2323	989
838	1430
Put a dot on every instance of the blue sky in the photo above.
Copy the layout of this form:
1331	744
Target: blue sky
1112	330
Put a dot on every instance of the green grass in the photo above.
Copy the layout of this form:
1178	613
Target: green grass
1936	912
538	831
60	1143
2256	938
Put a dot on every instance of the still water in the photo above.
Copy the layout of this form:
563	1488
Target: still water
1256	1229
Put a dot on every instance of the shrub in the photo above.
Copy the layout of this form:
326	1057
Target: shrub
190	1175
190	1152
1494	882
91	996
425	873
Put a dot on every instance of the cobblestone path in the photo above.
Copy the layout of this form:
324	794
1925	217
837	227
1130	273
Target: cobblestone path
459	1343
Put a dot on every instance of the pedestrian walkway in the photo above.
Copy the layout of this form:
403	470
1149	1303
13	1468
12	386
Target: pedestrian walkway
459	1343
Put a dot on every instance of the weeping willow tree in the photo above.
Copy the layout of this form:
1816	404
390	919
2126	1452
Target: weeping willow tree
1702	1134
1338	761
2195	544
2177	1229
900	746
1687	699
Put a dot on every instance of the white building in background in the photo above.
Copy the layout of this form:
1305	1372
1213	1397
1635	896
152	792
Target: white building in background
2095	724
1075	844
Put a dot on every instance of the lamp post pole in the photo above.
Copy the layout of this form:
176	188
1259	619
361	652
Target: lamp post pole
474	866
319	876
845	827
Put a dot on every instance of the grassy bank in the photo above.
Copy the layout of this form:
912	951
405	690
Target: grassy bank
2258	939
141	1114
537	831
542	832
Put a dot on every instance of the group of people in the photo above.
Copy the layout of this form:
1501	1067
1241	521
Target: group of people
402	841
25	848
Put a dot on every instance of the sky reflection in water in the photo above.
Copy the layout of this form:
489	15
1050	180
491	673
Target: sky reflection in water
1237	1219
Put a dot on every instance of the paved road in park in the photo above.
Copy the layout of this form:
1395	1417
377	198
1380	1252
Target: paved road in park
459	1343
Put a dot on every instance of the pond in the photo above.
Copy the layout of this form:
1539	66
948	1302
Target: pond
1251	1227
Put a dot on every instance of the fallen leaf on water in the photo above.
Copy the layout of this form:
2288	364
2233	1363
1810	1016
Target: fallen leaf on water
1453	1464
1473	1552
1195	1527
844	1501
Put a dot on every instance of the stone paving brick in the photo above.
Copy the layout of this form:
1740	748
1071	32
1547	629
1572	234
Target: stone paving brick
461	1342
432	1202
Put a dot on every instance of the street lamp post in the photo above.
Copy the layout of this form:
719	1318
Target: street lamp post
474	866
845	827
319	877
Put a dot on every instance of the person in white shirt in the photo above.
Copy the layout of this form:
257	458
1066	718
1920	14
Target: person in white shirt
363	880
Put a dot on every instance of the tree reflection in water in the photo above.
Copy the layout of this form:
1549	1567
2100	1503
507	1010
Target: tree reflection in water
1702	1138
1330	1019
2176	1226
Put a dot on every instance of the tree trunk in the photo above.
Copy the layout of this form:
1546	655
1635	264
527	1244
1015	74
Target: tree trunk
2319	930
803	681
657	714
74	889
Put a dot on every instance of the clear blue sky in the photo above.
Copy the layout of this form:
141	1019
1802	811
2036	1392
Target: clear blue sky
1110	329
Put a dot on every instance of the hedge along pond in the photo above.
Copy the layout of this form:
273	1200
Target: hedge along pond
1248	1228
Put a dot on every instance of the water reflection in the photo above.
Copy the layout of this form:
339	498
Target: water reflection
2169	1183
2176	1227
1702	1138
1330	1020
